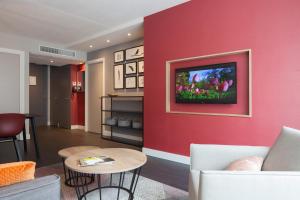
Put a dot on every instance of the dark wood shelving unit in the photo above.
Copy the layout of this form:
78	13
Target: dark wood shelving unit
123	134
123	111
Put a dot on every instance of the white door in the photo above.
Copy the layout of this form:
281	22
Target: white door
95	91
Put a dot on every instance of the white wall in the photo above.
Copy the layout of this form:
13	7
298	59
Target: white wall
10	83
28	45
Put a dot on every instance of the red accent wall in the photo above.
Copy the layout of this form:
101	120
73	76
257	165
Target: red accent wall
201	27
77	102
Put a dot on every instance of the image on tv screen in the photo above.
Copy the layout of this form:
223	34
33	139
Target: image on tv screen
210	84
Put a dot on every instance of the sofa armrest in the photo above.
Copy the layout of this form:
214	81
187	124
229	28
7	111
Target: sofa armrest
218	157
45	188
237	185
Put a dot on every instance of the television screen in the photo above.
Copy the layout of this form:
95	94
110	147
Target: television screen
210	84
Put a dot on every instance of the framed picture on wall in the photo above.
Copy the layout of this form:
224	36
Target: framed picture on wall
130	82
118	76
119	56
141	66
134	53
130	68
141	82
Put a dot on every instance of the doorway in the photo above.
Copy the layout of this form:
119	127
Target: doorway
95	89
57	94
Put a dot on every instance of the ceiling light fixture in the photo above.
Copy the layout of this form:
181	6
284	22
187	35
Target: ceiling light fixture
91	46
52	61
108	41
129	34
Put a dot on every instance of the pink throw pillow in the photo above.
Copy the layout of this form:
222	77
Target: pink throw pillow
251	163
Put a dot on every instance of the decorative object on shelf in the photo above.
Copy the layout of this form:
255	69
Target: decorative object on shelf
118	76
134	53
137	124
130	68
141	67
119	56
130	82
124	122
112	121
141	82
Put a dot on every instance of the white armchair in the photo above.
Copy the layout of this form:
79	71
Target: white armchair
209	181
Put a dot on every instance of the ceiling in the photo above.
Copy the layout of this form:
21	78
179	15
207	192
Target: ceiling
77	24
53	61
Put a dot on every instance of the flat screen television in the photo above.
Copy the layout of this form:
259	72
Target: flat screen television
210	84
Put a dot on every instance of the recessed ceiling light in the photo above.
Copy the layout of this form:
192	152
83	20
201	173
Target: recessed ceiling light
91	46
108	41
129	34
52	61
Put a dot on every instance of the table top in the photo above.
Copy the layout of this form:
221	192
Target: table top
65	153
125	160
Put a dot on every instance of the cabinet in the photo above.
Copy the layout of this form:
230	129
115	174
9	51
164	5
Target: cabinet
123	119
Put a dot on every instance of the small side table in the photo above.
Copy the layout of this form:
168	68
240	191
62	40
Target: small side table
67	152
126	160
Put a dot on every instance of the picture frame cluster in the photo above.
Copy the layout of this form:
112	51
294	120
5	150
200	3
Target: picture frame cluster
129	68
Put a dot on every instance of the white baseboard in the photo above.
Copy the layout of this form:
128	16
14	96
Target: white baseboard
167	156
80	127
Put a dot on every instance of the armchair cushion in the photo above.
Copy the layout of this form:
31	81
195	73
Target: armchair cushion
242	185
284	154
250	163
16	172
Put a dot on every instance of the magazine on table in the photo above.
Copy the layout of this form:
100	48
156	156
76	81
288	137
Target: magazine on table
95	160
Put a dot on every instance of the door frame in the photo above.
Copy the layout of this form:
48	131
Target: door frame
90	62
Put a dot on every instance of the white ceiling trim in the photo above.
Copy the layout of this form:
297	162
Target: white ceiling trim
135	22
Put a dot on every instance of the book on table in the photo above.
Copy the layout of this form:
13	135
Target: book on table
95	160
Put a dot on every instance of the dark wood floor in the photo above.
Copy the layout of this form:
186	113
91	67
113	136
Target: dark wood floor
53	139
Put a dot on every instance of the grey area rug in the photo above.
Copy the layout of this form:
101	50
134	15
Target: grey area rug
147	189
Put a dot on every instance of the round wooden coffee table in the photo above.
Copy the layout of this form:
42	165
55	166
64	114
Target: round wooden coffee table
67	152
126	160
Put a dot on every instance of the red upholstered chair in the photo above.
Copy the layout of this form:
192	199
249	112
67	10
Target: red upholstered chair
12	124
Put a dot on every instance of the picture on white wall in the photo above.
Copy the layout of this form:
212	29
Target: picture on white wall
130	82
118	77
130	68
141	66
141	82
134	53
119	56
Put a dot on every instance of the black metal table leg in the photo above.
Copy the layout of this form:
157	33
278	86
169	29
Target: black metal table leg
17	149
120	182
99	185
24	139
32	123
69	177
82	191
